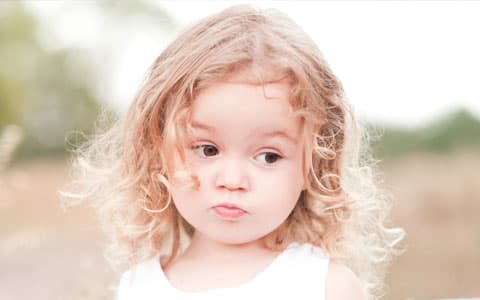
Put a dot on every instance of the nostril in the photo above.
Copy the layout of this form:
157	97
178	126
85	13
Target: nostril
231	175
232	185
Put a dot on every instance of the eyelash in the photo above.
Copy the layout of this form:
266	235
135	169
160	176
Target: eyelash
196	147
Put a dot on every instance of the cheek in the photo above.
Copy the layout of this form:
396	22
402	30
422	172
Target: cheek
284	186
292	173
185	192
180	199
196	186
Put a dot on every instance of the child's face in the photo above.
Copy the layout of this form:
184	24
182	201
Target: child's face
246	150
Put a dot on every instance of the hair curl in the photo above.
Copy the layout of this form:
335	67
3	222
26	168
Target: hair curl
126	171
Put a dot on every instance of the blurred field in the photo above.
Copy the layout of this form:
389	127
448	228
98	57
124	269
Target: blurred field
46	253
438	204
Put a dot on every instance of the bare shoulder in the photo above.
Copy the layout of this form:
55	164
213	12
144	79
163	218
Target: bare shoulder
342	283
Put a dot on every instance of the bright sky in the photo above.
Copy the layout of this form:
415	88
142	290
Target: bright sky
401	62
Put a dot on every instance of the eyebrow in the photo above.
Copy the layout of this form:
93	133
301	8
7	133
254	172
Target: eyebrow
266	134
279	133
198	125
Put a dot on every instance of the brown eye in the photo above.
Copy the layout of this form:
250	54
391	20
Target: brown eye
269	157
205	150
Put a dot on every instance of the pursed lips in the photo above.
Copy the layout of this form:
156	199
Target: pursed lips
229	211
229	206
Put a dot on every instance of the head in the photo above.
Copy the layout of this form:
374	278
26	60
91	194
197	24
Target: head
242	149
200	125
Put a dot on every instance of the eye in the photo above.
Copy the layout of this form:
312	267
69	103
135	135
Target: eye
269	157
205	150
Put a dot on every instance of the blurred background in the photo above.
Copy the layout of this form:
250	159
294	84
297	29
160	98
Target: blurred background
410	70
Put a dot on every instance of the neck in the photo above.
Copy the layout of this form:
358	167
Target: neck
206	248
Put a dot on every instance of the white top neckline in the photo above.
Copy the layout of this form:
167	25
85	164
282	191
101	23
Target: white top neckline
246	284
297	272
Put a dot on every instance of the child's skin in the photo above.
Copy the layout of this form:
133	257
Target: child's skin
238	167
237	162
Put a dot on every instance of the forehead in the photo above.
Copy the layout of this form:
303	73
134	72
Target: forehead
239	105
240	96
262	132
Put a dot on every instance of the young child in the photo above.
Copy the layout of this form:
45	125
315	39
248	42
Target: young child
238	173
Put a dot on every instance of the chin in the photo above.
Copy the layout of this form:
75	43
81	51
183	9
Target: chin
236	238
232	240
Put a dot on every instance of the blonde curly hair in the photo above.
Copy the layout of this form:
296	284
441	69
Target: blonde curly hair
125	171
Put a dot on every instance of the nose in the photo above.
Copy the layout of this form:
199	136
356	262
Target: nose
232	175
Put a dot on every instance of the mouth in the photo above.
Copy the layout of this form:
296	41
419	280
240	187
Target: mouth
229	211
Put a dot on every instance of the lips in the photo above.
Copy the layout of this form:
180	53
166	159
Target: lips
229	211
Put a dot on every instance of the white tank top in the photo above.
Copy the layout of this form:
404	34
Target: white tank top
300	271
